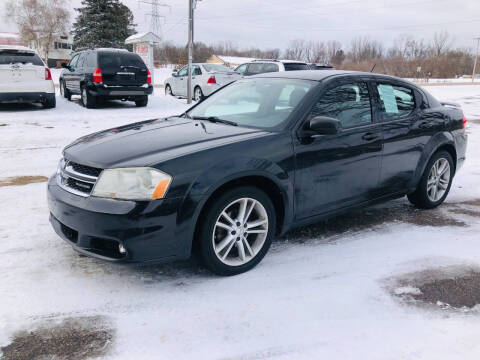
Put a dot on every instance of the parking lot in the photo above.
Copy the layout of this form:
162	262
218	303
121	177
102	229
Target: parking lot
385	282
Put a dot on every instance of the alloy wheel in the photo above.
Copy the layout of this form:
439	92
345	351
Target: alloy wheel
84	97
240	231
198	94
438	179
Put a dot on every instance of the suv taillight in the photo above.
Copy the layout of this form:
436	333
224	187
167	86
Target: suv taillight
464	122
149	77
97	76
48	74
211	80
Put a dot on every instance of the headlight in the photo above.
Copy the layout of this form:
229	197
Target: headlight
132	184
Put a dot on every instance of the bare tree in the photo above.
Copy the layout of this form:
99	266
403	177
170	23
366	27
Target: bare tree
441	43
39	21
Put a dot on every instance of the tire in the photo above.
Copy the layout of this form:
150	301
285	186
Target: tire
50	102
433	188
229	239
197	94
88	100
64	91
142	102
168	90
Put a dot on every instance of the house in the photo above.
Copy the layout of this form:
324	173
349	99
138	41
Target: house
230	61
7	38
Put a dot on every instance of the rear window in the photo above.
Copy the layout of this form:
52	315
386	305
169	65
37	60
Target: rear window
17	57
217	68
117	60
296	66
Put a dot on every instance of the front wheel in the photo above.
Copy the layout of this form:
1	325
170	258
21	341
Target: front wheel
435	183
168	90
88	100
236	230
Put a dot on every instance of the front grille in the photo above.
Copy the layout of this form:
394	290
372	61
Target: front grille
76	178
83	169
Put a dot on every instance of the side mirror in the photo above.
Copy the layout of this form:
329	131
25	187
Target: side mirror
65	65
322	125
175	74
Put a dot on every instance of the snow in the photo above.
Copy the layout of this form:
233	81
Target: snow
321	297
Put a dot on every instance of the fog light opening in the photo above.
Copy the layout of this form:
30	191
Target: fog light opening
122	249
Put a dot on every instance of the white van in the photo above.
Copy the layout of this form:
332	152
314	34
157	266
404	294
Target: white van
24	77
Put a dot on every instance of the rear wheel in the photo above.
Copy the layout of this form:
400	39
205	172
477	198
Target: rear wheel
64	91
197	94
435	183
50	102
236	230
88	100
142	102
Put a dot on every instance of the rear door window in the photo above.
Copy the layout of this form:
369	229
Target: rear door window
17	57
395	101
295	66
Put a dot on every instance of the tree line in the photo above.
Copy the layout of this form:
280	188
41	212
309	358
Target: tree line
408	56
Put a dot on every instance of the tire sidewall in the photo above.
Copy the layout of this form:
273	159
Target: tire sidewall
198	88
168	90
423	184
209	219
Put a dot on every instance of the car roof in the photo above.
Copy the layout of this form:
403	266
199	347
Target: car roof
16	47
316	75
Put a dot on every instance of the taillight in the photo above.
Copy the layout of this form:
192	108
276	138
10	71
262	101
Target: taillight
149	77
464	122
97	76
48	74
211	80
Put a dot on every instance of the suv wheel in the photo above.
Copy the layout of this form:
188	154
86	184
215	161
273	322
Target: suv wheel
197	94
87	100
435	183
64	91
236	231
142	102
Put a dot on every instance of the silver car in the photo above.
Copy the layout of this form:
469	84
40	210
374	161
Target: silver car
206	78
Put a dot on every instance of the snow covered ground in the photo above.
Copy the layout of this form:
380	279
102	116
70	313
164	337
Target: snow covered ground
321	292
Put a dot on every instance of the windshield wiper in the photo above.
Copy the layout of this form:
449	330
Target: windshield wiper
213	119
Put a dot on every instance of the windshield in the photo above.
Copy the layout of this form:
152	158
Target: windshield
262	102
216	67
17	57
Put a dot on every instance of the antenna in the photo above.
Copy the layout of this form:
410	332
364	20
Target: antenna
155	25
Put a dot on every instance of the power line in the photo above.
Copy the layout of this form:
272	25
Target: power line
155	25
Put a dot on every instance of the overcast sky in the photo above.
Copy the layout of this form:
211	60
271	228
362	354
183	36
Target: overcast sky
272	23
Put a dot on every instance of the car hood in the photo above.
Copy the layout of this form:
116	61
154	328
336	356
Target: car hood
150	142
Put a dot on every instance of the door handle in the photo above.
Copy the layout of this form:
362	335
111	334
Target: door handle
370	137
425	125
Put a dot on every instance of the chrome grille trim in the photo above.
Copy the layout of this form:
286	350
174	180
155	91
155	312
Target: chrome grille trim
73	181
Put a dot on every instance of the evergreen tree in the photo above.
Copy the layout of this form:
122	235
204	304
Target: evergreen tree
102	23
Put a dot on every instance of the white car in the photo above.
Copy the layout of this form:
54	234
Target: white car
206	78
265	66
24	77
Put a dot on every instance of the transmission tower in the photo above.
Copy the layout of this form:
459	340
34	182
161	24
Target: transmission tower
155	16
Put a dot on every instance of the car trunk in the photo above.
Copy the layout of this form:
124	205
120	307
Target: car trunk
224	78
122	69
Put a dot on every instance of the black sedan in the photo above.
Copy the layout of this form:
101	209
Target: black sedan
254	159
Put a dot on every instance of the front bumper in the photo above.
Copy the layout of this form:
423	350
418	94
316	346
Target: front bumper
120	92
97	226
26	97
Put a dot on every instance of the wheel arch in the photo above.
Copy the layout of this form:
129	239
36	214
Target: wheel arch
441	141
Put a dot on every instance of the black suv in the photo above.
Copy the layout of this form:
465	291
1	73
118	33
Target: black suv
106	74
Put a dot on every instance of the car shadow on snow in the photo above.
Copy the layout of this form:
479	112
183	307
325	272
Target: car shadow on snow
21	107
106	104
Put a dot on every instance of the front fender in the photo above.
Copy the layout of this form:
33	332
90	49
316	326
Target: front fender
437	141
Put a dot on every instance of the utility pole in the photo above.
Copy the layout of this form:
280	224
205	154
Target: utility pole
191	5
476	58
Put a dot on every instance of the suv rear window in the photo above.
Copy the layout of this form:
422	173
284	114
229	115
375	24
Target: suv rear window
18	57
115	60
295	66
